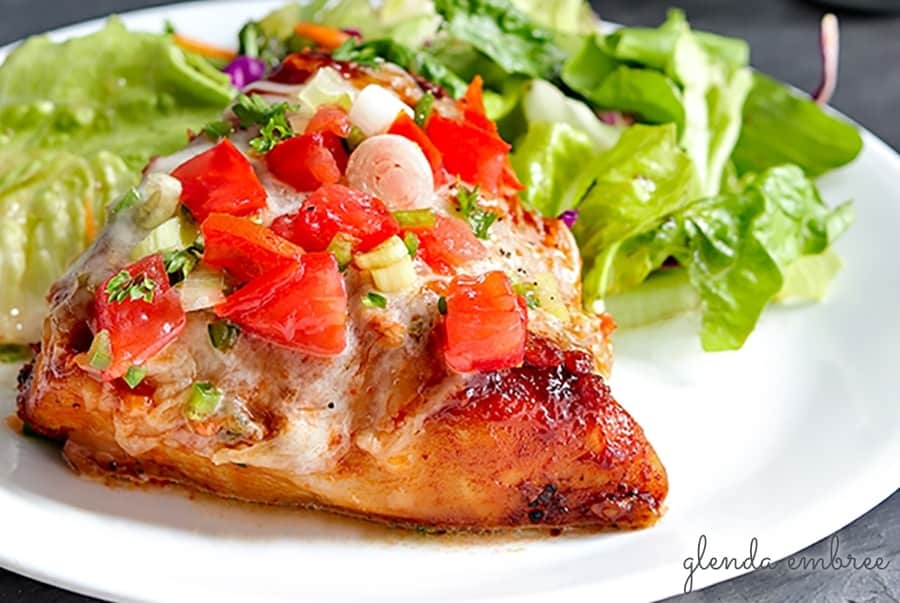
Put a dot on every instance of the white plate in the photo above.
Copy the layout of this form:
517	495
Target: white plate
786	441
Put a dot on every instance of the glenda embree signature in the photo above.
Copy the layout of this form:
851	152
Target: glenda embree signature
834	561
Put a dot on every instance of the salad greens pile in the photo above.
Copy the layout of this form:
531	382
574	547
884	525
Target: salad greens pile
78	122
691	174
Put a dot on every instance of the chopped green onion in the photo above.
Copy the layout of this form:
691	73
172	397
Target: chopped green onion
392	251
442	305
100	352
549	297
412	243
423	218
327	87
203	402
223	335
374	300
355	137
131	198
341	247
423	108
163	196
529	292
134	376
173	234
396	277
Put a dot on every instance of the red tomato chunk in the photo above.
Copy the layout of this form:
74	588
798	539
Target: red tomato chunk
138	328
308	161
220	180
333	209
448	244
245	248
301	306
486	323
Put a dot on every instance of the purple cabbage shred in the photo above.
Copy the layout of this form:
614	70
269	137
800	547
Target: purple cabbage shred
245	70
569	217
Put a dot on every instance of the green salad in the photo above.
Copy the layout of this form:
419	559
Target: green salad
686	177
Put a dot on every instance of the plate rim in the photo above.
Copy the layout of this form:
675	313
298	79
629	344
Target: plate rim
875	490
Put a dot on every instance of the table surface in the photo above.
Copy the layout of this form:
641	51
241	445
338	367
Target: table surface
783	38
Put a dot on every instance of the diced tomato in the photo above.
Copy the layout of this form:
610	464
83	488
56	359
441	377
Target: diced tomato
329	118
220	180
308	161
449	243
243	247
302	306
405	126
476	155
335	208
485	326
138	329
474	115
473	99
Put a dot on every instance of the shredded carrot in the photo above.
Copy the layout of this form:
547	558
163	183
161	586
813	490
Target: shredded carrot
326	37
202	48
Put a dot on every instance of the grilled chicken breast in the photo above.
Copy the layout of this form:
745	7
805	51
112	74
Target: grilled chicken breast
390	418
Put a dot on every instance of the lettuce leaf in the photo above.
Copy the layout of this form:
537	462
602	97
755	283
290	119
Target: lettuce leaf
779	126
738	248
625	192
542	101
503	33
670	74
547	160
407	22
74	138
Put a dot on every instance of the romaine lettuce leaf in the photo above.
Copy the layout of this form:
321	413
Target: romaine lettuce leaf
779	126
80	119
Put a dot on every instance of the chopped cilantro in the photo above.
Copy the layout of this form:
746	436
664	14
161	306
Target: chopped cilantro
218	129
442	305
479	219
180	262
223	334
254	110
122	286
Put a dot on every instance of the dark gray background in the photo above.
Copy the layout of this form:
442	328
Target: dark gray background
783	36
